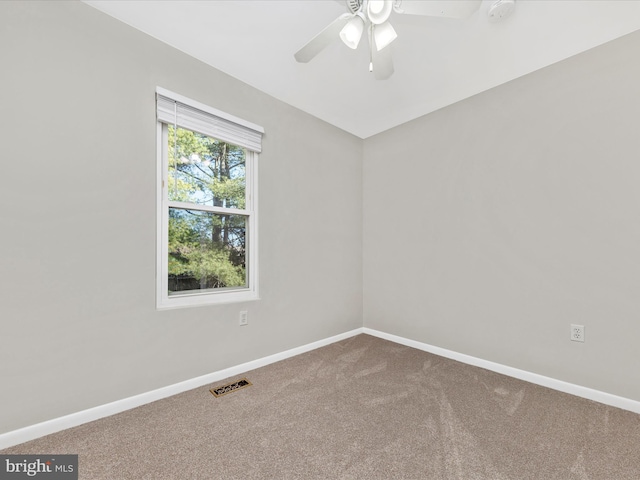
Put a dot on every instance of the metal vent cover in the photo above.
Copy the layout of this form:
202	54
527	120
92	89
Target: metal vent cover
230	387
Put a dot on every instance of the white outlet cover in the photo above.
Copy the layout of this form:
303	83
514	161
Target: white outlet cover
577	333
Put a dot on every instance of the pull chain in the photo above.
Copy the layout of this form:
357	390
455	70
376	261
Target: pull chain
371	48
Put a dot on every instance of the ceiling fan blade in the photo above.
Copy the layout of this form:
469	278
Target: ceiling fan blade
323	39
439	8
382	63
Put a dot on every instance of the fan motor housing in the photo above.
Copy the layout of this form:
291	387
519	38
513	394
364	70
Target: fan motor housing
500	9
354	5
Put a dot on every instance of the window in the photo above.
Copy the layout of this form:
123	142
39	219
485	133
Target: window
207	228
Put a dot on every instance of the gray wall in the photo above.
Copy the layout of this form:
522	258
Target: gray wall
78	219
491	225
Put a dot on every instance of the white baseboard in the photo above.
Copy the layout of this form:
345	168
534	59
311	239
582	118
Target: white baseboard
32	432
573	389
38	430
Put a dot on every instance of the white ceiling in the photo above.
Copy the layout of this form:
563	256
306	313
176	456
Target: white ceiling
437	61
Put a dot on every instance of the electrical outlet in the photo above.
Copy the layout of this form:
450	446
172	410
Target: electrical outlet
577	333
243	318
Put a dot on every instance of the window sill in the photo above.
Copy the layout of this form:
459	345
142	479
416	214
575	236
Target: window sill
204	299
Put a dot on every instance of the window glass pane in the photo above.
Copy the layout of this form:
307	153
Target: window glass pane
206	250
204	170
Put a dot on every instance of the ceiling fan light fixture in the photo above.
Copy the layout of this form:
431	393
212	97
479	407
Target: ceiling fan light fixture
351	33
378	11
383	35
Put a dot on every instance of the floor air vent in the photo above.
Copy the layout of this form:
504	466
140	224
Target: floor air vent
230	387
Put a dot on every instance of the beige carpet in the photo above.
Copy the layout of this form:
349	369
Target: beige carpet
363	408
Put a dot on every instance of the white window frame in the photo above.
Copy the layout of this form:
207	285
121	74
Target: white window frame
211	296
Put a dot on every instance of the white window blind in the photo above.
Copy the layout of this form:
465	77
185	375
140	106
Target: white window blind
205	120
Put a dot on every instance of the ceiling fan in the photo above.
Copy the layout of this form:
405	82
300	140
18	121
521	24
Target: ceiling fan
373	16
